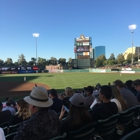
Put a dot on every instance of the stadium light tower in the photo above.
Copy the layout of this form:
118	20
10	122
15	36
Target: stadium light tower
132	28
36	35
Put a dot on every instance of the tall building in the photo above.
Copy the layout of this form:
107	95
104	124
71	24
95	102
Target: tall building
134	50
83	52
99	50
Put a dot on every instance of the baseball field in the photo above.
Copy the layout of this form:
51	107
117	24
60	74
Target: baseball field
20	85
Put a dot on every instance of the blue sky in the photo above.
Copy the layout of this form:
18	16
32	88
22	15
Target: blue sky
60	21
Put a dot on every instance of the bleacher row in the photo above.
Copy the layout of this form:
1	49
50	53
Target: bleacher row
122	126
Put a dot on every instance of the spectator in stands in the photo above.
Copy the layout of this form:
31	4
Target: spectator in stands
57	103
9	107
68	94
89	97
127	94
2	137
4	115
129	86
136	84
22	114
44	123
118	99
106	108
78	114
13	104
95	92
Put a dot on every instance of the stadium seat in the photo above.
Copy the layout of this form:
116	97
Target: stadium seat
4	124
13	128
106	128
10	136
63	137
126	120
134	135
84	133
137	110
137	117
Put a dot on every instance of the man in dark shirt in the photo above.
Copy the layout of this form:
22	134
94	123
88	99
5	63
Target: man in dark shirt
106	108
57	103
4	115
44	123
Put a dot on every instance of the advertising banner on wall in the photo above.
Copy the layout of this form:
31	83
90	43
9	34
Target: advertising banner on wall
85	53
85	43
82	39
82	49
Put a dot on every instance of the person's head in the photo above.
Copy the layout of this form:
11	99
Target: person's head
136	84
7	98
8	103
12	102
78	100
116	94
128	83
78	110
88	90
38	99
53	93
118	83
1	106
105	93
68	91
23	109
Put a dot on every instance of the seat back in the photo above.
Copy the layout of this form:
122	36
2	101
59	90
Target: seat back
137	110
106	128
13	128
137	116
63	137
10	136
4	124
126	119
134	135
84	133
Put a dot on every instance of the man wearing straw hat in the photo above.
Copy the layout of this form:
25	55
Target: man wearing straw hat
44	123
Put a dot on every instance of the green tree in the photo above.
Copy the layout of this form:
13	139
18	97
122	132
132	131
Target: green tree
129	58
112	57
42	63
111	62
53	61
15	63
1	62
69	63
32	62
22	60
120	59
135	57
100	61
9	62
62	61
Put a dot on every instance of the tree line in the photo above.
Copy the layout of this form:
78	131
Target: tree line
42	62
120	59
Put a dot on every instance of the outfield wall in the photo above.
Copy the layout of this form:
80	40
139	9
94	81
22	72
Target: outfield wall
94	71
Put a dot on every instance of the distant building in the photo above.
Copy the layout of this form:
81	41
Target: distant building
134	50
55	68
99	50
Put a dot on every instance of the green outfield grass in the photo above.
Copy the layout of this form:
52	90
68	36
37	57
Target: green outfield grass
75	80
